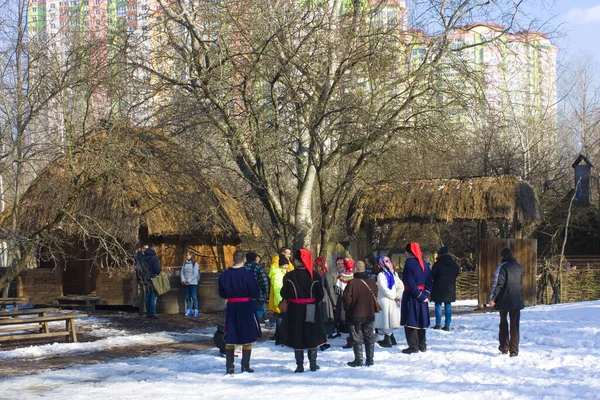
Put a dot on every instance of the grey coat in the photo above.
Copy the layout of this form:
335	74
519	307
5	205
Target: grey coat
329	299
507	293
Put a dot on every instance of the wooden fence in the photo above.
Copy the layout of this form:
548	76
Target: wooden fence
578	285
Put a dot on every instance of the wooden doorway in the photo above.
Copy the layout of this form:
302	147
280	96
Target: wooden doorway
524	250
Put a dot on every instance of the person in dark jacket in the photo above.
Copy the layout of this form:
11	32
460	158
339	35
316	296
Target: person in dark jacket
359	303
444	273
303	322
239	287
151	270
506	297
263	284
414	316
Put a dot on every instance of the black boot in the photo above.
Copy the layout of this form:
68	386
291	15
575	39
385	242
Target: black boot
312	357
229	360
393	340
386	342
299	354
412	339
422	340
358	356
246	361
369	350
349	343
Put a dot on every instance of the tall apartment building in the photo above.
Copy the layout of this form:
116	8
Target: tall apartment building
511	75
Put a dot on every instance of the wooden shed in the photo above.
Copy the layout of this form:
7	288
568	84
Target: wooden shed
124	186
482	199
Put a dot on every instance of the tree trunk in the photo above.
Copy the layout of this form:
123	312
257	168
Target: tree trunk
303	234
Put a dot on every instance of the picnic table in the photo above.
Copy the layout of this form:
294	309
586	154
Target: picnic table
85	302
18	322
13	301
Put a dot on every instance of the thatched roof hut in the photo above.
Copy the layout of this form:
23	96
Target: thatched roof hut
485	198
121	179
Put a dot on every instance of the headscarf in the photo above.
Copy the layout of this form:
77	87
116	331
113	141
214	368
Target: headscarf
388	270
304	256
414	249
323	262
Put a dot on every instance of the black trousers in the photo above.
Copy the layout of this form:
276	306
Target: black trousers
509	343
415	338
362	333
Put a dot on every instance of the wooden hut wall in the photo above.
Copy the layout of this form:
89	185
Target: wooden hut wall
210	257
524	250
40	285
116	289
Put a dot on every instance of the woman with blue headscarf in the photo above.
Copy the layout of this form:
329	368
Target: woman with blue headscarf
389	296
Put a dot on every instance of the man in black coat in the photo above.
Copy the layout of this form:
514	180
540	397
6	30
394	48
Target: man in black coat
140	273
359	303
152	270
506	297
444	273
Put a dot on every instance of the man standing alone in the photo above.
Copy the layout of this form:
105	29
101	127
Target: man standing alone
506	297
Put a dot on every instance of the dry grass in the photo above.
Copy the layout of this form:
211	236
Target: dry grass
504	197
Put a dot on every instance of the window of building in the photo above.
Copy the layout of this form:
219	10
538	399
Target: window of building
97	2
97	22
52	6
34	9
121	11
97	12
53	26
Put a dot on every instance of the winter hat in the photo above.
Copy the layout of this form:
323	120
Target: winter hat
283	261
250	256
348	264
304	256
443	250
506	254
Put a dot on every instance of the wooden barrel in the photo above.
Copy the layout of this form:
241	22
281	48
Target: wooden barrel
208	293
172	302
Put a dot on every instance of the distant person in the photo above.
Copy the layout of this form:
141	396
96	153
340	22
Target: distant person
390	289
359	303
416	277
239	287
140	273
151	270
263	284
506	297
328	303
190	276
372	269
345	276
279	267
444	273
303	291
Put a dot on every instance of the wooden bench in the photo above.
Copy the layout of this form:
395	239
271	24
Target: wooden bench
41	325
13	301
85	302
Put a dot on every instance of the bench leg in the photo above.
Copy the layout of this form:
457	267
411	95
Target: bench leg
71	326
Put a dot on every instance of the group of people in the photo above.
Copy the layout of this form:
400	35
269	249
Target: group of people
364	299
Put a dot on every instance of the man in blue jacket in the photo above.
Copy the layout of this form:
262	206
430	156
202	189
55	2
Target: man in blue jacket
152	269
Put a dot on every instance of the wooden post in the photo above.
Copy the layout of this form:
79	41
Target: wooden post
71	328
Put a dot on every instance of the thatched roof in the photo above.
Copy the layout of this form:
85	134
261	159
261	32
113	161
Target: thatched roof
124	178
505	197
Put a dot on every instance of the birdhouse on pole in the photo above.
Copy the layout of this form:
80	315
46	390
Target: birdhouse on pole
583	168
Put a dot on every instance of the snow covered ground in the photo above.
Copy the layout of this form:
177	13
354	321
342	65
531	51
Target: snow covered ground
559	359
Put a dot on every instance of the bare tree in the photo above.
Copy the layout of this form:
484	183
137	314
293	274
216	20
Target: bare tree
306	97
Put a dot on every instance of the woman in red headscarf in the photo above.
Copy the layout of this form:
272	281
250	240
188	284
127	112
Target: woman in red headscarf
303	322
417	280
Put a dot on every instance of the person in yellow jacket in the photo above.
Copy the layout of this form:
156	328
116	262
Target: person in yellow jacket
280	265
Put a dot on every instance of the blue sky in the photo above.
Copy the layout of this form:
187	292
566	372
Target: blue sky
578	26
